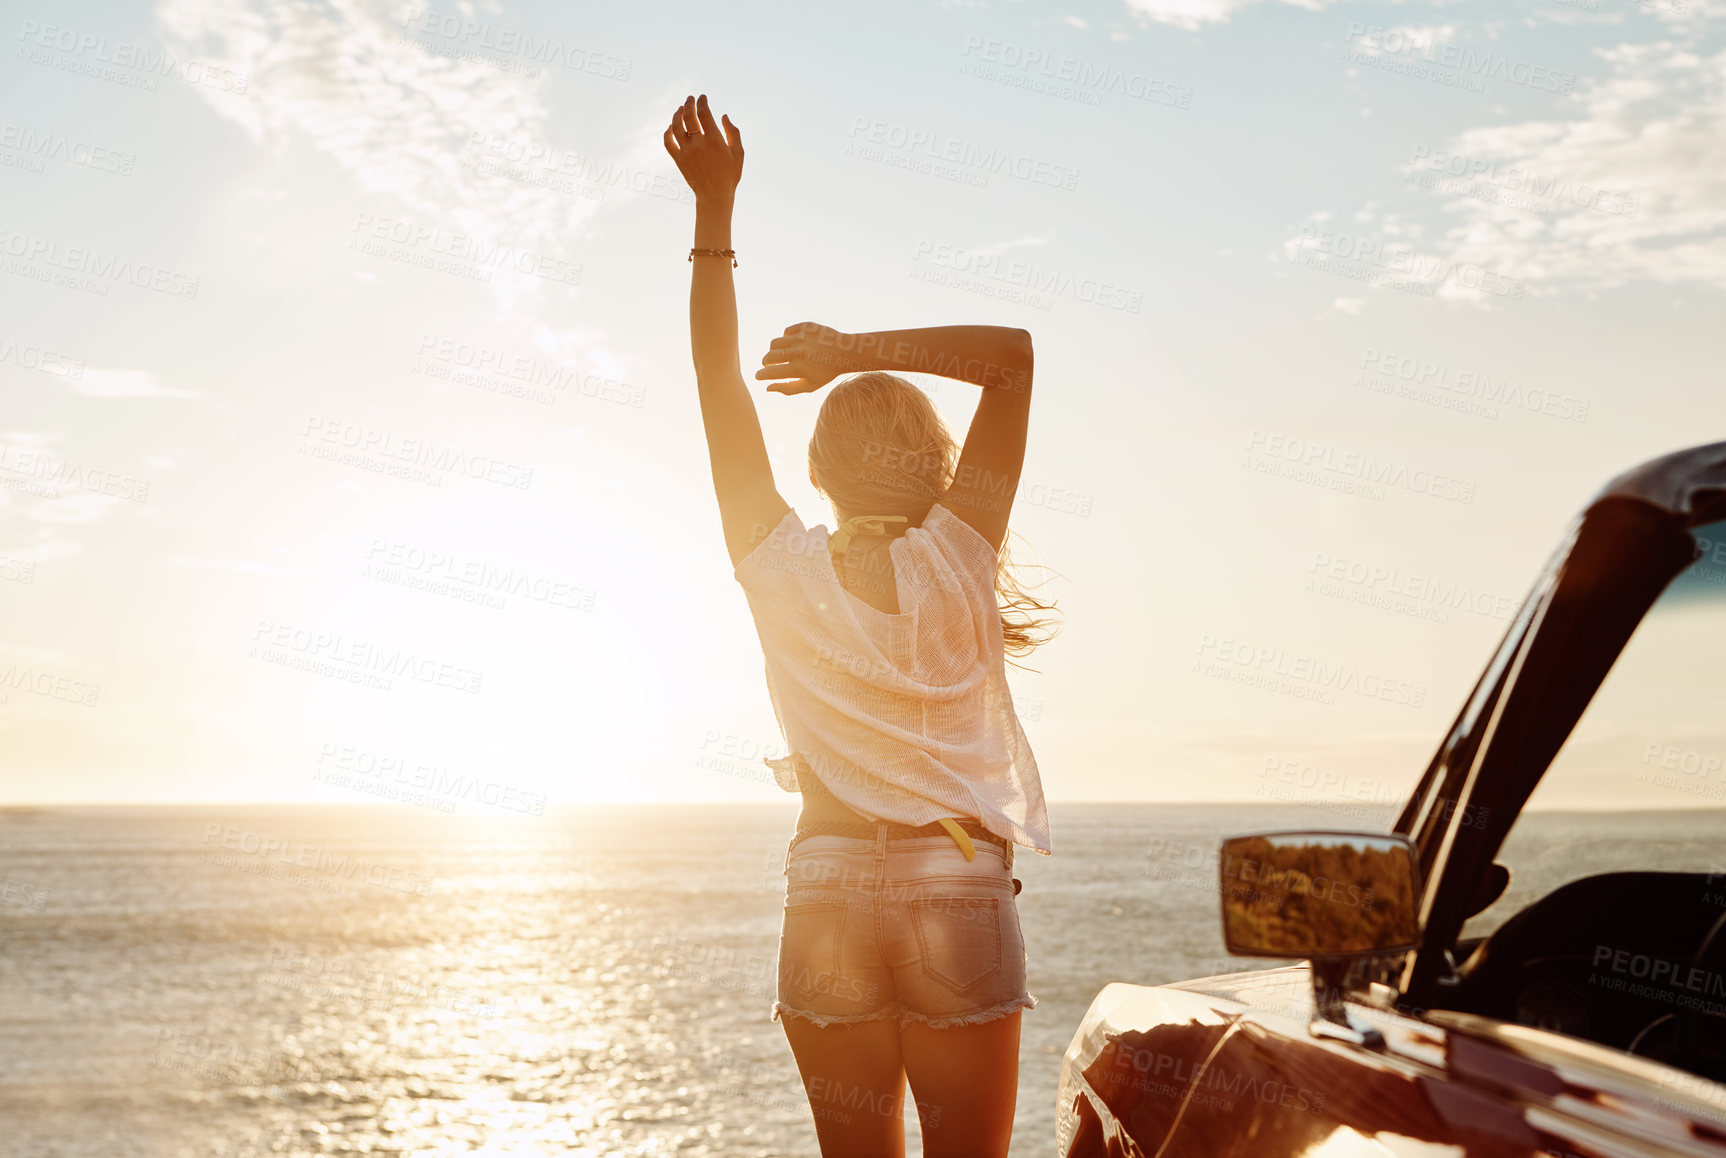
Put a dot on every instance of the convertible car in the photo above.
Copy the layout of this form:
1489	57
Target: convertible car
1437	1009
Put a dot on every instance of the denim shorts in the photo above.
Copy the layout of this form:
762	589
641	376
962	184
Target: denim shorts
900	927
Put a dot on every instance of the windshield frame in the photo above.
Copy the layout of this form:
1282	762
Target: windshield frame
1613	563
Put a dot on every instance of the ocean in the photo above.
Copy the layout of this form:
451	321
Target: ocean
228	982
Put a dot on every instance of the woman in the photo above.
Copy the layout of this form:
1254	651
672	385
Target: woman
900	955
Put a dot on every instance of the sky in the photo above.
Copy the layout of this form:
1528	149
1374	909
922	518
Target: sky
350	446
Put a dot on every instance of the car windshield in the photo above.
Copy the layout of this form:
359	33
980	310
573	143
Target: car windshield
1641	783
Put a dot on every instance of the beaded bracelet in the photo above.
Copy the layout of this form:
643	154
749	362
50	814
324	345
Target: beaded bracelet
731	253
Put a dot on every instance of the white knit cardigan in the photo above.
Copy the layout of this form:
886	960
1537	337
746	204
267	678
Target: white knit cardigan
904	717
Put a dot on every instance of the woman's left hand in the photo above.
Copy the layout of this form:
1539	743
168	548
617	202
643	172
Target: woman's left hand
709	159
809	355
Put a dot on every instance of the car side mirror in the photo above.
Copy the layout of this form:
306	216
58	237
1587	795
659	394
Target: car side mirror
1318	894
1328	897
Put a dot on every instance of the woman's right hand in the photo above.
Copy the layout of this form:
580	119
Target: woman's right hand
807	357
709	158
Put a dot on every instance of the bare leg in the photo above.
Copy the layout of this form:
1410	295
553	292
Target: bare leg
966	1082
855	1080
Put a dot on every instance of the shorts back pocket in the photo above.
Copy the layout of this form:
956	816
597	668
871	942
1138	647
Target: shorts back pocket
809	945
960	938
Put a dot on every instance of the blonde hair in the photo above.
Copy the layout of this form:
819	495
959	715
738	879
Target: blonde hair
881	448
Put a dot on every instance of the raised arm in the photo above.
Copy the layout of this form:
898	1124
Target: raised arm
997	358
712	162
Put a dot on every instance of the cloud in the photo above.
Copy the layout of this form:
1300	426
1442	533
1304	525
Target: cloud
409	114
46	547
1633	188
104	383
1386	251
1195	14
1401	40
1629	187
38	484
74	509
1579	16
24	653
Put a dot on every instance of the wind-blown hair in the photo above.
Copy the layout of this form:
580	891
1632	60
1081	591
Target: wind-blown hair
881	448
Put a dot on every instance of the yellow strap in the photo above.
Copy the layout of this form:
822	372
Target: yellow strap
840	539
960	835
